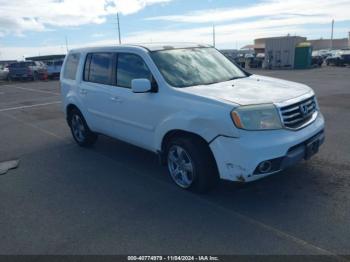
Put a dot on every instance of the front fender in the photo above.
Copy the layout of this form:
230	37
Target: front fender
207	127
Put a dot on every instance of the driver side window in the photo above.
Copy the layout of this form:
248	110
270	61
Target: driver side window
129	67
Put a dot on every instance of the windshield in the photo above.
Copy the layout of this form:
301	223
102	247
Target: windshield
195	66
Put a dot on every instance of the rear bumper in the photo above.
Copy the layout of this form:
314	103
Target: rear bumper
238	159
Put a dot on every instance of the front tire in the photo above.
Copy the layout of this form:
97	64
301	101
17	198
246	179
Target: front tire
80	130
191	164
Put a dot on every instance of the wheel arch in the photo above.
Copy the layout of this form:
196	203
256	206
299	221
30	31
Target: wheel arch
69	108
176	133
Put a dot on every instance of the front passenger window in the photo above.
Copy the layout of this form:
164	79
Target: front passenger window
131	67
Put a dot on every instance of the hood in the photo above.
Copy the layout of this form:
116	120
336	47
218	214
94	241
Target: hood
252	90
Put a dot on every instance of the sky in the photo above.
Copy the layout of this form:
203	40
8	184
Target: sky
41	27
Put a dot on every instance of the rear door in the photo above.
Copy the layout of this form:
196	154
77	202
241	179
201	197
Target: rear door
95	90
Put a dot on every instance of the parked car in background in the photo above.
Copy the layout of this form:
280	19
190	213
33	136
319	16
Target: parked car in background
324	53
317	60
333	60
340	58
205	117
256	61
27	70
54	68
240	60
4	72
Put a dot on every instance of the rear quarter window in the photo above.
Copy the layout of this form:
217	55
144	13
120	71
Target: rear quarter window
71	66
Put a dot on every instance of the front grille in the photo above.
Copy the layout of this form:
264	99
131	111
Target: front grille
296	115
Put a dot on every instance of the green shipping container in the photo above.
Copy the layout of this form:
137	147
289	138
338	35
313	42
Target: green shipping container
303	56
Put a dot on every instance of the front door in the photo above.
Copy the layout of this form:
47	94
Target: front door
135	114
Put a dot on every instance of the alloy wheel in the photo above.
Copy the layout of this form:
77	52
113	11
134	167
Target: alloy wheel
180	166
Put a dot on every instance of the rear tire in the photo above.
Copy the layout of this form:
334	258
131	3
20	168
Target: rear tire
80	130
191	164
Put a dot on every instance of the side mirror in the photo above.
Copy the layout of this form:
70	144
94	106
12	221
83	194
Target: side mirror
141	85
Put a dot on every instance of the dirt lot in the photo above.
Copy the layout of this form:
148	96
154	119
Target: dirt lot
116	199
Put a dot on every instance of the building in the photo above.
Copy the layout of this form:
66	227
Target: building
317	44
46	58
280	51
259	45
341	43
7	62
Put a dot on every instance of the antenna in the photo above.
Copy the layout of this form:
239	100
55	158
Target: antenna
214	35
120	40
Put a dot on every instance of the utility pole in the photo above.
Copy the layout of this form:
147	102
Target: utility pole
332	34
66	44
120	40
214	35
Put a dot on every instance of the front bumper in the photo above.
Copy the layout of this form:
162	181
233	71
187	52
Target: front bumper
238	158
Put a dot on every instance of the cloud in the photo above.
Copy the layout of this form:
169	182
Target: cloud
304	9
19	16
131	6
227	36
235	26
239	32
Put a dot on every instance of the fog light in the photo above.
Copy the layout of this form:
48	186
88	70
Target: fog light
265	167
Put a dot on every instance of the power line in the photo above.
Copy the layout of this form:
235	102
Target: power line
332	34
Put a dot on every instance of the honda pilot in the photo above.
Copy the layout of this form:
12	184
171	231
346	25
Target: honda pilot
204	116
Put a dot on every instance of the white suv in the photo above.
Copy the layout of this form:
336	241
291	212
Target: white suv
205	117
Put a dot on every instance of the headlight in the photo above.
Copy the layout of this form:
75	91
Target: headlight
257	117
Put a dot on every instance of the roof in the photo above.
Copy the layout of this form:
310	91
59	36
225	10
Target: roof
166	46
45	57
151	46
247	47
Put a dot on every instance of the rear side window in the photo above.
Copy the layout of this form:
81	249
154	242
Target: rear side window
131	67
71	66
99	68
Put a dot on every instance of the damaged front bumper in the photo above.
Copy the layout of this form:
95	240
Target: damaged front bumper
257	154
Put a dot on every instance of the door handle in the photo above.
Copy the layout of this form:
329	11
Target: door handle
83	91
